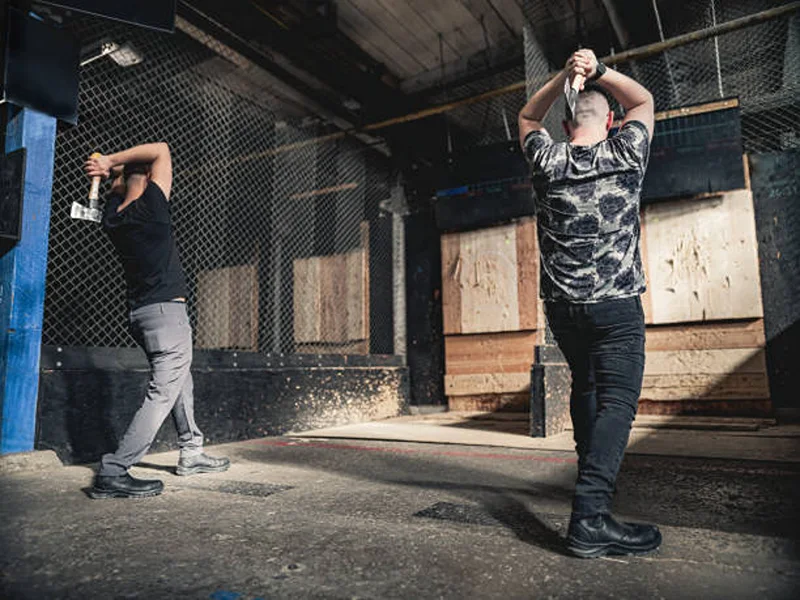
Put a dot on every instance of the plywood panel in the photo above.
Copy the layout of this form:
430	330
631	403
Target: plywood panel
702	259
213	299
227	308
493	403
355	296
487	383
306	303
717	386
647	300
707	336
243	307
357	347
710	374
705	362
451	287
527	274
510	352
343	297
365	283
488	279
330	299
333	291
736	407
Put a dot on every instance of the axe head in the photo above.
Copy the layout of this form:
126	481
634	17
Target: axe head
571	90
85	213
571	97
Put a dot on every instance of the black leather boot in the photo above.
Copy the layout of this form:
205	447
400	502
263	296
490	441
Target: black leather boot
124	486
601	535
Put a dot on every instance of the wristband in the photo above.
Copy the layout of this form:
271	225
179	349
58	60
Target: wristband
599	71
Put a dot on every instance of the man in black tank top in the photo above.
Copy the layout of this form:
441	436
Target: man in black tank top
137	219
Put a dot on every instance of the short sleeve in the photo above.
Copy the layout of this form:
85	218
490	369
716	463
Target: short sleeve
156	205
632	142
537	149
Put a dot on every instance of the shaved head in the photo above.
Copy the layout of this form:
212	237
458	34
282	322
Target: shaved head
591	109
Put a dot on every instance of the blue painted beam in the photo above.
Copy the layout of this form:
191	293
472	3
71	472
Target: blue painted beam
22	281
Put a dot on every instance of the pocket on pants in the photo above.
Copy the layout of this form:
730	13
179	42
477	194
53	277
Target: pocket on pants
161	330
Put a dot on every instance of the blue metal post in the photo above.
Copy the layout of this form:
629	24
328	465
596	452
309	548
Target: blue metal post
22	280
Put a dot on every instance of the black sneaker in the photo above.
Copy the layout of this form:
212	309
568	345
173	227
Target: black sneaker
202	463
124	486
601	535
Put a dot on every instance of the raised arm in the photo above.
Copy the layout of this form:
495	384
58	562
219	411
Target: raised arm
533	113
117	181
156	155
631	95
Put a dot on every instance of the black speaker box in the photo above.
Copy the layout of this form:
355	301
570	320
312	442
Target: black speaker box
40	65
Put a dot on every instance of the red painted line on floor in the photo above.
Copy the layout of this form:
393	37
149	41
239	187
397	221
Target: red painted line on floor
335	446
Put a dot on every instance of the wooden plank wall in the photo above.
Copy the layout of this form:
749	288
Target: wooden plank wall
331	305
490	279
705	337
490	289
705	334
702	259
227	308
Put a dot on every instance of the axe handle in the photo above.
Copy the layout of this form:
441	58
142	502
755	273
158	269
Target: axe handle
94	191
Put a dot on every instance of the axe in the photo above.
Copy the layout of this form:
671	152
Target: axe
571	89
92	211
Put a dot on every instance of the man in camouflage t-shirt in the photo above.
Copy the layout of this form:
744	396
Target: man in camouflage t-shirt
591	279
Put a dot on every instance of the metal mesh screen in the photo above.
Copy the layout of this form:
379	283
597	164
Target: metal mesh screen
758	64
490	121
284	244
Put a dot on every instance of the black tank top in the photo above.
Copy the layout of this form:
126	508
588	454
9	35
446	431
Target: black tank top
142	236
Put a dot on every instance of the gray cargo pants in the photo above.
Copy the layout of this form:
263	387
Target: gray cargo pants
163	331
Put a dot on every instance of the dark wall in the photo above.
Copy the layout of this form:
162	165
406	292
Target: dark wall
776	195
87	396
425	334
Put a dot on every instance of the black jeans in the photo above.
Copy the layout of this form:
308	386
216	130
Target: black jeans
604	346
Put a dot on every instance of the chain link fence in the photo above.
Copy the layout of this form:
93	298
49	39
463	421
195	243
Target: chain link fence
284	243
758	64
286	240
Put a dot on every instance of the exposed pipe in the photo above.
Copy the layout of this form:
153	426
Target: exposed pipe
716	48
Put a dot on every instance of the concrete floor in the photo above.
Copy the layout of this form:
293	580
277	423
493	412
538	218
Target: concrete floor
336	518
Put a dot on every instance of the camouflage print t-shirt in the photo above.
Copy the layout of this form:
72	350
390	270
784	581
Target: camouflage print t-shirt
587	213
